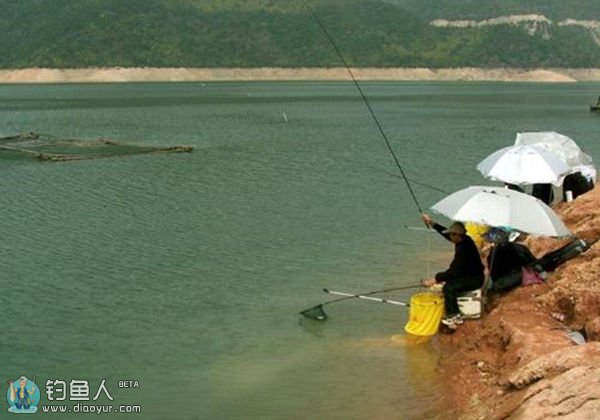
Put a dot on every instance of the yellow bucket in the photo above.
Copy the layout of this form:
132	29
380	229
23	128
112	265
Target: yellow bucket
426	310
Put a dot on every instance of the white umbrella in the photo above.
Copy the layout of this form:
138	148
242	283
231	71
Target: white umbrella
495	206
562	146
524	165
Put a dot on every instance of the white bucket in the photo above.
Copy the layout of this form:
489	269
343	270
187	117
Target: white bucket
569	195
470	304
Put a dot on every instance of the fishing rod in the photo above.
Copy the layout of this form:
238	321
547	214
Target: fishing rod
365	100
420	229
317	313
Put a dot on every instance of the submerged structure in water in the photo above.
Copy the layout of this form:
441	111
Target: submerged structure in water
46	147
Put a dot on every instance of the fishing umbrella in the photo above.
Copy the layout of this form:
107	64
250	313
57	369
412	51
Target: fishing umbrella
524	164
562	146
495	206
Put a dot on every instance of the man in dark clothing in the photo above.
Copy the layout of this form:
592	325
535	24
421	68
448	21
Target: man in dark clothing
465	272
543	192
577	184
506	260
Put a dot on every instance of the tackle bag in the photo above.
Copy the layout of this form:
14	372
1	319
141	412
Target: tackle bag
552	260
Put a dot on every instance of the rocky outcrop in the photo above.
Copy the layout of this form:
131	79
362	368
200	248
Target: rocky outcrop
533	24
522	361
556	362
574	394
592	329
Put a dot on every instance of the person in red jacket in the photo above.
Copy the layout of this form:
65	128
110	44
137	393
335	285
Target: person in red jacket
465	273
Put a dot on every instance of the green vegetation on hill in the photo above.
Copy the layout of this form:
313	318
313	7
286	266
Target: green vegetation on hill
282	33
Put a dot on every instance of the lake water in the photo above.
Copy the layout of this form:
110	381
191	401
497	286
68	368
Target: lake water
186	272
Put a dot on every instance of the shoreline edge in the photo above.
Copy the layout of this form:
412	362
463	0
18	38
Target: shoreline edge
187	74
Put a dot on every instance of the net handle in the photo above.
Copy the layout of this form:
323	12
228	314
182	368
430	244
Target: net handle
323	316
391	289
374	299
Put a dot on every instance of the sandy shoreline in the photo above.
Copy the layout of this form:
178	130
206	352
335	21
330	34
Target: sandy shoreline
149	74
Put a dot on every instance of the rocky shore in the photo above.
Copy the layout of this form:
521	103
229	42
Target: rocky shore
148	74
518	361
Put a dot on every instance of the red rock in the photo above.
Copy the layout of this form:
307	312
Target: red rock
592	329
523	346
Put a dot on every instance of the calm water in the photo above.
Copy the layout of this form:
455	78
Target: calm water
186	272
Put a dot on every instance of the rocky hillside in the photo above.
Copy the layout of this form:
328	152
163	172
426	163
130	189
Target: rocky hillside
518	362
485	9
283	33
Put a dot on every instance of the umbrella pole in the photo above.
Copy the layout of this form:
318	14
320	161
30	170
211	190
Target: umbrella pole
488	278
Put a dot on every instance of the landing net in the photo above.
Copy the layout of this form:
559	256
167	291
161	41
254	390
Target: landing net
46	147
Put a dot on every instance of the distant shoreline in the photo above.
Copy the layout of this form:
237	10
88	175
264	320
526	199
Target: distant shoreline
150	74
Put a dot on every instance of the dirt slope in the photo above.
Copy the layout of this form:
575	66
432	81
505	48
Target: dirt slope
518	362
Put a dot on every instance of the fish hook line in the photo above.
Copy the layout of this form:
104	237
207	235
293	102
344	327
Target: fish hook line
414	181
365	100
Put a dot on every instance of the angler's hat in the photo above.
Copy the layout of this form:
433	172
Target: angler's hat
456	227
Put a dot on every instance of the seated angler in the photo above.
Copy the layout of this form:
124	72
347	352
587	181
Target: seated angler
465	272
507	259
